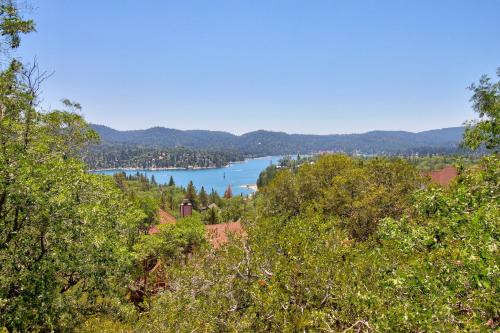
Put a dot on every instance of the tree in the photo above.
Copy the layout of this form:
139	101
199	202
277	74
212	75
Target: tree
486	103
153	180
203	197
214	197
163	200
212	216
173	240
433	269
12	25
228	194
171	181
191	194
43	270
64	233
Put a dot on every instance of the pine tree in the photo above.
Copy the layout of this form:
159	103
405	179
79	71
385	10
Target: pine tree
212	216
214	197
229	192
202	196
163	200
153	180
191	194
171	181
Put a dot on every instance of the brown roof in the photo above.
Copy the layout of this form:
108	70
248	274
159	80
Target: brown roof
444	176
218	234
165	218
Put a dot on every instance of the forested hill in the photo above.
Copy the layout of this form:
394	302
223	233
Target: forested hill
267	142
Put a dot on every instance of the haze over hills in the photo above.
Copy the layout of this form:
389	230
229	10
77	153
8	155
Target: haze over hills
267	142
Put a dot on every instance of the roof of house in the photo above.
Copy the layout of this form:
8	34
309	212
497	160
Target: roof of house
217	234
444	176
165	218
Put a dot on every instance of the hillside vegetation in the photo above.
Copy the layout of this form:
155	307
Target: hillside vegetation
128	156
277	143
337	245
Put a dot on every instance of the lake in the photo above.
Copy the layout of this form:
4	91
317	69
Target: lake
237	174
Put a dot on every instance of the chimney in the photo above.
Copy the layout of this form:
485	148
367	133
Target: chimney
186	208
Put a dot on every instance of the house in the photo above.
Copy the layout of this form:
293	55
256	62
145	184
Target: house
444	176
217	234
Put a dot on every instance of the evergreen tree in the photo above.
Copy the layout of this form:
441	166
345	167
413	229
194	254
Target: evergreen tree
203	197
214	197
153	180
212	216
171	181
191	194
163	200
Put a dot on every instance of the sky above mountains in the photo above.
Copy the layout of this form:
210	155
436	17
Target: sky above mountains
295	66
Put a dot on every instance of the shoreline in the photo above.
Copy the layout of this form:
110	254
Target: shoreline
178	168
158	169
251	187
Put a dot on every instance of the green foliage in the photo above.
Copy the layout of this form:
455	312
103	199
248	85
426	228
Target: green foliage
203	197
173	198
214	198
486	103
435	269
114	155
191	195
211	216
340	245
173	241
268	143
430	163
12	25
266	176
233	209
64	233
358	192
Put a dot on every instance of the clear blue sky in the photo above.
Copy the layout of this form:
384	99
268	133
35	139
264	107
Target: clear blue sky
302	66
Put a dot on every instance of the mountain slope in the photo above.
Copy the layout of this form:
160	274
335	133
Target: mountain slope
266	142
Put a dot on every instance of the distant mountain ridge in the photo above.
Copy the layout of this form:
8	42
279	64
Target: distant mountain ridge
267	142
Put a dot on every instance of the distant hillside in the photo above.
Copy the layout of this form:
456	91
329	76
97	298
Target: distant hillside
268	143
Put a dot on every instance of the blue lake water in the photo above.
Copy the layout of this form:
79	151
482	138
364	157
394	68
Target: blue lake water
236	174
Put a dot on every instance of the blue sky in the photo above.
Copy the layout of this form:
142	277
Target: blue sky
307	66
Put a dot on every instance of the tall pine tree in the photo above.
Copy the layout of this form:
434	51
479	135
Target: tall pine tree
214	197
191	194
171	181
203	197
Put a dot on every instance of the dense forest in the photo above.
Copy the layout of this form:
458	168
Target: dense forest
166	148
261	143
131	156
334	244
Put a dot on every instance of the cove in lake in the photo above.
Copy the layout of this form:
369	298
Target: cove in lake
237	174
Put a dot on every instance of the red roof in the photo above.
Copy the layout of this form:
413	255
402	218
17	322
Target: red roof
444	176
165	218
217	234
